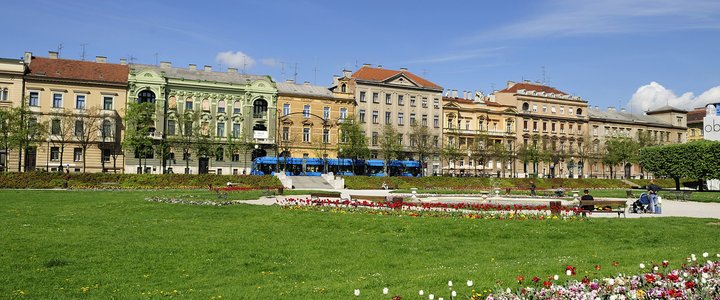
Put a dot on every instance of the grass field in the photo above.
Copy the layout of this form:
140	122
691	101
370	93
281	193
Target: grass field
104	245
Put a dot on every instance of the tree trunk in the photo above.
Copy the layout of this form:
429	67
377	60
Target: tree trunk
677	183
84	155
62	152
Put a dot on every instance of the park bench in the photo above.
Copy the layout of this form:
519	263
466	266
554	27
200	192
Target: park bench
604	206
368	198
317	195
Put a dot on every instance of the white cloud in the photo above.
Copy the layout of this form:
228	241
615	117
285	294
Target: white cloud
235	59
271	62
572	18
655	95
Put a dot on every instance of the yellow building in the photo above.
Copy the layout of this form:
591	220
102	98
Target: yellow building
81	105
695	124
309	119
11	81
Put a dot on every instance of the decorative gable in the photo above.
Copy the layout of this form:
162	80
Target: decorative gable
401	79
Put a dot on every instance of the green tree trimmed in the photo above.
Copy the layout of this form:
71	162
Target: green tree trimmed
390	146
353	142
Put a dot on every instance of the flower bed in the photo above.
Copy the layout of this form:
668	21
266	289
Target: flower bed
692	280
435	209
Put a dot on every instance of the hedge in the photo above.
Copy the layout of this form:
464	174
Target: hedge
45	180
475	183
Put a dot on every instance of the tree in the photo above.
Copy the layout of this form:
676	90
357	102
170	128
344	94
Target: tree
390	146
139	118
5	122
500	153
479	151
109	128
531	153
696	160
618	150
62	132
87	133
184	140
321	148
247	144
233	144
420	143
25	131
452	154
353	141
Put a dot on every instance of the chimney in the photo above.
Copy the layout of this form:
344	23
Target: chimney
526	81
622	109
123	61
208	68
379	66
52	54
192	67
465	95
454	94
165	64
289	81
403	69
100	59
27	57
347	73
232	70
597	107
366	65
510	83
306	83
611	108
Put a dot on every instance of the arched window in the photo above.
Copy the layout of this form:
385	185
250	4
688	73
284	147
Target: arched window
172	103
579	111
221	106
237	107
260	107
206	105
146	97
343	88
525	106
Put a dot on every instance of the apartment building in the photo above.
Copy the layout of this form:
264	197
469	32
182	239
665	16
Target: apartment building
11	95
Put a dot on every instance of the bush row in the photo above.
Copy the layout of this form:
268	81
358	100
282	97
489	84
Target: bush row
44	180
474	183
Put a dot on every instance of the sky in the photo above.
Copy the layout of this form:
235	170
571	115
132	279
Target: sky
638	54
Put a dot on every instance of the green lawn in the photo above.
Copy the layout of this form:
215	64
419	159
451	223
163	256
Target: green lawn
103	245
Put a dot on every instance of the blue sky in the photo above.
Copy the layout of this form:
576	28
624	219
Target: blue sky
643	53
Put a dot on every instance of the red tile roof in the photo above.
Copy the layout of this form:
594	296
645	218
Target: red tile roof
469	101
531	87
696	115
377	74
78	70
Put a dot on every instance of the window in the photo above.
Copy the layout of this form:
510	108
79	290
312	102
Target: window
326	136
412	100
343	113
286	134
579	112
375	117
34	99
544	109
57	100
436	103
552	109
424	102
388	118
260	107
55	126
525	125
306	134
286	109
376	98
544	128
595	130
525	106
400	139
400	119
552	127
80	102
77	154
54	153
535	108
106	130
424	120
146	97
374	139
188	104
535	126
400	100
326	113
436	121
412	119
219	154
388	99
562	110
467	124
306	111
236	130
4	94
171	127
107	103
220	129
235	157
436	141
237	107
562	127
570	128
221	107
570	110
79	132
362	116
362	96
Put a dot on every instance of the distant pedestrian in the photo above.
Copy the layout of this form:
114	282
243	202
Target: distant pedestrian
653	189
532	188
587	197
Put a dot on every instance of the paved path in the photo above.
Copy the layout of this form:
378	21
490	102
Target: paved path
670	208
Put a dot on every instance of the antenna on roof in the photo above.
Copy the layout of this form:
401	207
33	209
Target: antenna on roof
315	78
83	50
132	58
356	65
156	59
59	48
244	63
424	72
282	70
295	74
543	75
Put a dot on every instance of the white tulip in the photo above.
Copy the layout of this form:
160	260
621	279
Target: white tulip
454	294
508	291
568	273
357	293
469	283
441	298
556	277
450	283
655	268
705	254
642	266
431	297
421	292
385	291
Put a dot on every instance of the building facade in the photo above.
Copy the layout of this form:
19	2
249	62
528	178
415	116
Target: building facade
81	105
695	124
397	98
11	95
309	119
203	121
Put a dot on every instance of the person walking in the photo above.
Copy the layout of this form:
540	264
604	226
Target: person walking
653	189
532	188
